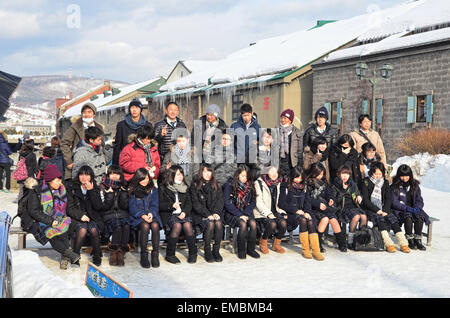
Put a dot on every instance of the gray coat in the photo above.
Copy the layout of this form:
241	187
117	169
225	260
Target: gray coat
296	148
86	155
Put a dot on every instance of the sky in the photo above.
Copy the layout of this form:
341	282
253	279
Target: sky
138	40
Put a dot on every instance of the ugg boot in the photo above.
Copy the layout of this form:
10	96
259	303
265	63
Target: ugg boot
263	246
321	243
403	242
192	257
121	257
155	259
315	246
418	242
209	258
304	240
341	241
144	260
217	257
113	255
276	247
388	242
251	249
170	251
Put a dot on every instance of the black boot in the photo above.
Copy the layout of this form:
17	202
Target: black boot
208	254
155	259
341	241
241	249
192	257
97	260
170	251
411	241
217	257
321	243
251	249
72	256
144	260
418	242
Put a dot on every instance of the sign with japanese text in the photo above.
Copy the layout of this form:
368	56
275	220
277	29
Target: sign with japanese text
102	285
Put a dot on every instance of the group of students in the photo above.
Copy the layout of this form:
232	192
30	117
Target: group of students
148	182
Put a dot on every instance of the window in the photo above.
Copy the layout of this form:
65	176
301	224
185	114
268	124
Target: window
420	109
238	100
334	112
421	115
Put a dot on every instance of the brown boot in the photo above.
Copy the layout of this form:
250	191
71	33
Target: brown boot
304	240
113	255
263	246
403	242
388	242
277	246
314	242
120	257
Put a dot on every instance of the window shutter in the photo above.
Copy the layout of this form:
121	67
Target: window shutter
430	108
411	118
365	107
328	107
379	111
339	112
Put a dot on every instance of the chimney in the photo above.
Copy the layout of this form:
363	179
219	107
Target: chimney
70	95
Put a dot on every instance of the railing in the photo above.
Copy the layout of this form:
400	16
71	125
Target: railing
5	257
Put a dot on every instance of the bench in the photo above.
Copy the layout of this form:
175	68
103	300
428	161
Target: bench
21	236
429	233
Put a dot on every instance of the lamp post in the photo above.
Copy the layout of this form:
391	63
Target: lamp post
385	72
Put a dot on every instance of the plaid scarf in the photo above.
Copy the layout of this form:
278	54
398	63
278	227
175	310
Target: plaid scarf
147	150
242	195
54	203
271	183
298	186
183	157
376	197
108	183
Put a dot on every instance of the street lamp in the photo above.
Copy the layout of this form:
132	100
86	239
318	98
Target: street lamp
386	73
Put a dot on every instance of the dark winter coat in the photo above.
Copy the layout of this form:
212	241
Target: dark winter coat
231	208
121	138
252	137
345	198
316	198
5	151
90	204
42	164
386	196
143	206
330	133
30	162
205	202
222	125
338	159
115	204
165	142
292	200
166	201
417	202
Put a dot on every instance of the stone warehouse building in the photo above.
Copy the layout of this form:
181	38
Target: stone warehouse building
416	96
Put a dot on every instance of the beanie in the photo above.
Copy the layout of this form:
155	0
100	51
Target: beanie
51	172
89	105
135	102
213	109
288	113
322	112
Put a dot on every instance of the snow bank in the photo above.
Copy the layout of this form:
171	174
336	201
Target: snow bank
432	170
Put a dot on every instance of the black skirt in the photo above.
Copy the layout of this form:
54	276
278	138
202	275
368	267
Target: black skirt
348	214
174	220
112	224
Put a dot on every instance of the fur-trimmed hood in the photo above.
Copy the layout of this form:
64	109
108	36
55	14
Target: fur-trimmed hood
132	137
30	183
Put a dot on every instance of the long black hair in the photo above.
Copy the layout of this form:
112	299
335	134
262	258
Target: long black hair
295	173
140	175
366	147
199	178
169	175
314	171
116	169
404	170
235	180
86	170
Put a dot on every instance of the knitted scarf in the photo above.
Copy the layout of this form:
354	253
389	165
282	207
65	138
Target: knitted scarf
376	197
135	125
180	188
147	150
242	195
108	183
318	186
298	186
54	203
284	140
183	158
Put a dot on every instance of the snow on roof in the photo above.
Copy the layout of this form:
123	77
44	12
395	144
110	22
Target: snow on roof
198	65
118	105
396	41
83	95
100	101
291	50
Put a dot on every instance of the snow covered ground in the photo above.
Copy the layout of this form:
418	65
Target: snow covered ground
352	274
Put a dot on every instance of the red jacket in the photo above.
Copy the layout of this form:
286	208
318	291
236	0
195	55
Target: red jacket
133	157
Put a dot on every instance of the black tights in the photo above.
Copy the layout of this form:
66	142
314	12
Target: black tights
418	226
213	229
120	235
247	230
144	229
94	236
307	225
383	226
273	225
178	227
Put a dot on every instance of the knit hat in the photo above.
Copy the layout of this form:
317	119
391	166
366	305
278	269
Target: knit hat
288	113
322	112
213	109
135	102
89	105
26	134
51	172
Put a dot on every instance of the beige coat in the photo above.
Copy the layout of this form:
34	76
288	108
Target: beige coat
374	138
264	200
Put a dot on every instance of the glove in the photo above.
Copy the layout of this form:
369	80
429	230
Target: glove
414	211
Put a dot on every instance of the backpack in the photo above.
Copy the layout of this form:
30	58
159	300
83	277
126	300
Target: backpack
21	172
369	240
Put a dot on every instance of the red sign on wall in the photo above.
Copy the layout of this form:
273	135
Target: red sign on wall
266	103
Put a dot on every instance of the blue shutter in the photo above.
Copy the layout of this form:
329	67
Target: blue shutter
411	118
430	108
339	112
365	106
328	107
379	111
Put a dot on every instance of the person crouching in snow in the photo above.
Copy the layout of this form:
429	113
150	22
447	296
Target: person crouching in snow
377	200
296	201
143	207
348	199
271	218
407	203
322	206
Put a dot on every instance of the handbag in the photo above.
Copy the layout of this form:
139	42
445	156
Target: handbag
369	240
